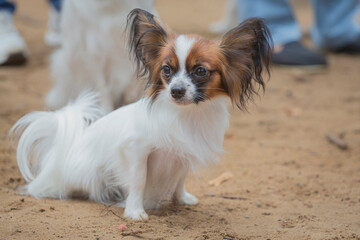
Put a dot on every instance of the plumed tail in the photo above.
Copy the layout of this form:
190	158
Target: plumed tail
46	138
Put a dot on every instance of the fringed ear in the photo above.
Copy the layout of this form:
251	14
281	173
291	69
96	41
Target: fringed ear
146	39
246	52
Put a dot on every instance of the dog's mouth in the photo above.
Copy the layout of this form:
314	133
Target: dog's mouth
187	100
181	96
182	101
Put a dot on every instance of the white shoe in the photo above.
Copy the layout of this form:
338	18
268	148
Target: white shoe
53	36
13	49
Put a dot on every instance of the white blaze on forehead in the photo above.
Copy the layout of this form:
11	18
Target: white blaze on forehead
182	47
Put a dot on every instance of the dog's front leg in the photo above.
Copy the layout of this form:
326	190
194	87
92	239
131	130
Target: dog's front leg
181	195
134	208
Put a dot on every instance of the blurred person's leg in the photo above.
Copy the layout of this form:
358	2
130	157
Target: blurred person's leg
12	46
278	15
285	32
335	25
7	6
53	33
56	4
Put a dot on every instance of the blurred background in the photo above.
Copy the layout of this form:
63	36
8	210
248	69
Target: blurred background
293	158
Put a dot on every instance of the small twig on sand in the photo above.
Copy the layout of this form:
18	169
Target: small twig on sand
237	198
134	233
336	141
107	209
15	232
225	197
220	179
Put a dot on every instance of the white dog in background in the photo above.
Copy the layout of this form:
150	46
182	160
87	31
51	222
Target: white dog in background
94	55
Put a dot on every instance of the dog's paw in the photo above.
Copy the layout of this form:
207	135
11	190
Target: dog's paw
136	214
187	199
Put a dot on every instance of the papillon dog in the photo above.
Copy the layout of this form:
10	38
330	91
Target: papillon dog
93	53
138	156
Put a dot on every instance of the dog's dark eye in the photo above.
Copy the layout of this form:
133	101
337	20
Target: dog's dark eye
166	71
201	72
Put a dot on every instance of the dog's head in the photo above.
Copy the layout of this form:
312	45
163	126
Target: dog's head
191	69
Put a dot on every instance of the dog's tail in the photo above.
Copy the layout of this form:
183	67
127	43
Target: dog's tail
46	139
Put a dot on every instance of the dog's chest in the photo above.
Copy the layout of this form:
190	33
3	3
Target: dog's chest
164	171
164	165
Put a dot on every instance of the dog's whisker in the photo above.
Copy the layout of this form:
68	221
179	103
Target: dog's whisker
205	88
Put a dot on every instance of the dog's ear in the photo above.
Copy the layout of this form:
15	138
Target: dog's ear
146	39
245	52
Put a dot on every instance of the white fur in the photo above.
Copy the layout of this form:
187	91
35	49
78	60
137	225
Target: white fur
93	53
183	45
138	155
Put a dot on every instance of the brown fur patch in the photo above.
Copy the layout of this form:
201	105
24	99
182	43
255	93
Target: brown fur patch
206	53
215	87
166	56
245	51
147	40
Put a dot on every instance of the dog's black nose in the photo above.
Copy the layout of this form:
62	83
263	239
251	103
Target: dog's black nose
178	92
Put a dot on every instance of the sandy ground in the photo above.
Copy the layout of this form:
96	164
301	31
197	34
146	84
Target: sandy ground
289	181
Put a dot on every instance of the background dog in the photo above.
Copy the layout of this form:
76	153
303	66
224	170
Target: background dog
93	53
